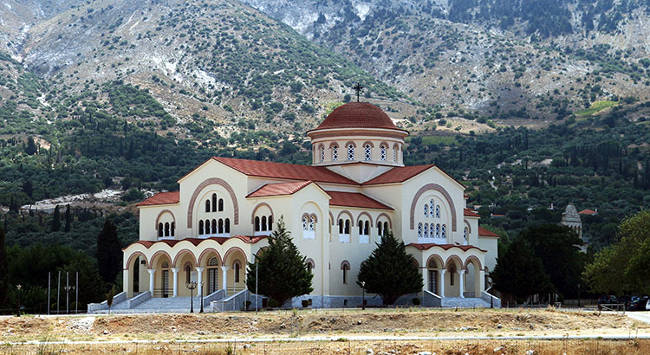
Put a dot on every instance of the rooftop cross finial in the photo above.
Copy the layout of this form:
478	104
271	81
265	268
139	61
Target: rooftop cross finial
358	89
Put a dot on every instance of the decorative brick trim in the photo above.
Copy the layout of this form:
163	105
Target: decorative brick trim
469	228
180	254
444	193
311	261
367	215
344	212
390	223
129	261
437	259
345	263
259	205
206	252
372	145
206	183
153	257
160	215
472	259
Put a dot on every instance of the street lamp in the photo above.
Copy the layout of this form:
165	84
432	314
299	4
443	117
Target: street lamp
363	295
191	286
201	311
19	286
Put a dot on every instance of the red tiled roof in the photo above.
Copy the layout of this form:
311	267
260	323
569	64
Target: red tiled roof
588	212
486	233
285	188
357	115
196	241
161	198
398	174
470	213
284	171
427	246
354	199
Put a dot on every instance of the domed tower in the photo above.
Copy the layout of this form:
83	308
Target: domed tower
357	140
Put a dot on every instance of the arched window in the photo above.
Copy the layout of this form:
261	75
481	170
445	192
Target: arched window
340	226
366	228
257	224
207	205
350	151
395	153
201	227
167	229
437	211
335	152
426	210
264	223
214	226
220	226
367	152
345	267
379	229
443	231
270	223
426	230
386	230
173	229
304	223
360	226
214	202
432	228
466	235
419	230
321	153
437	230
236	267
310	265
431	207
213	261
347	226
227	225
311	224
188	273
382	153
160	229
220	205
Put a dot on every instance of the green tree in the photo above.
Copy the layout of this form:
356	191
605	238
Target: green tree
519	273
55	225
31	148
389	271
68	220
622	267
109	252
4	269
282	270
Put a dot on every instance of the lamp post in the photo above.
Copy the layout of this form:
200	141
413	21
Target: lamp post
191	286
201	311
18	287
363	295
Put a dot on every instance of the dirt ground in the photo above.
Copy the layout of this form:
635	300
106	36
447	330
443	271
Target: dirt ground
174	330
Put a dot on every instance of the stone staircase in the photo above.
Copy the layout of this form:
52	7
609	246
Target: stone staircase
453	302
159	305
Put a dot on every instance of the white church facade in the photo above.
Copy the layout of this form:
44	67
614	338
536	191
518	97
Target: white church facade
336	210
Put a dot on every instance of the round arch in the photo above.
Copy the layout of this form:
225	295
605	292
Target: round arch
345	212
331	218
162	213
129	261
206	252
445	194
203	185
232	251
474	260
180	254
454	259
434	258
344	264
161	253
390	223
367	215
258	206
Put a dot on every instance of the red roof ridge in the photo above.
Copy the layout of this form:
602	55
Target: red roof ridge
161	198
196	241
280	188
357	115
427	246
588	211
398	174
470	213
355	199
482	232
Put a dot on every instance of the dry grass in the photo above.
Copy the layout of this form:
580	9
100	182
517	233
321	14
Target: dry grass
570	347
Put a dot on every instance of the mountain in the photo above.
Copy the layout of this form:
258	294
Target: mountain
513	61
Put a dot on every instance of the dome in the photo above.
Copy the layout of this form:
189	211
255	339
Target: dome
357	115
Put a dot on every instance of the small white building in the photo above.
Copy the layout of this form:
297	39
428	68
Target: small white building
336	210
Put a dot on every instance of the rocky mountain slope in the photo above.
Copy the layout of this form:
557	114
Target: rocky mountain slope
501	59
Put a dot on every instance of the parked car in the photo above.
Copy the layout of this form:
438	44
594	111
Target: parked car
611	299
638	303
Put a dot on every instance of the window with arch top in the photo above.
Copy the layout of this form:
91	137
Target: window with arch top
350	151
335	152
214	202
367	152
382	153
321	153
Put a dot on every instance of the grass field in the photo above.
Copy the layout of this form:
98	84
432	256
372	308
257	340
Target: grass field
596	107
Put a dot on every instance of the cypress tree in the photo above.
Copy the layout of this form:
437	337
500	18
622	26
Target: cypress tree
389	271
109	252
31	148
282	270
68	219
56	219
4	269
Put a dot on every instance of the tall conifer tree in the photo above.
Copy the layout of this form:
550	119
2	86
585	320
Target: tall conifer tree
109	252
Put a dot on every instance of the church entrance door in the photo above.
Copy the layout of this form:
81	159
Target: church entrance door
213	280
433	281
165	283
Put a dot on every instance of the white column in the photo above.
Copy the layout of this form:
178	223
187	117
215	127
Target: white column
224	277
442	283
425	278
152	273
126	287
481	283
462	283
175	285
199	280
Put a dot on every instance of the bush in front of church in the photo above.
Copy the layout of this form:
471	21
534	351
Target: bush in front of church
282	270
389	271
